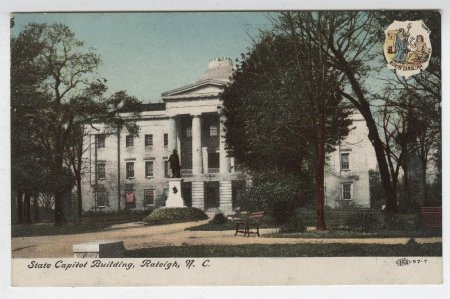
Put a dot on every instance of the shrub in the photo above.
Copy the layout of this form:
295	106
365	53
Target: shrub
283	211
365	221
173	215
218	219
295	225
403	222
278	194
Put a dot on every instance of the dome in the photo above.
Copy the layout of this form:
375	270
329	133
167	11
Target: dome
220	69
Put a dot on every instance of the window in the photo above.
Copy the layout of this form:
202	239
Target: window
213	160
130	199
213	130
130	170
148	168
149	197
167	169
188	132
100	139
345	161
347	191
148	140
101	174
101	197
166	139
129	140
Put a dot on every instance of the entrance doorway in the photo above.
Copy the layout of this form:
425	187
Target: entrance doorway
186	192
238	189
212	195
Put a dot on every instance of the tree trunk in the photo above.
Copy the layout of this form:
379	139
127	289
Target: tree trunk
319	178
406	191
27	204
118	170
80	199
394	187
363	106
36	207
424	183
390	196
59	208
20	207
59	195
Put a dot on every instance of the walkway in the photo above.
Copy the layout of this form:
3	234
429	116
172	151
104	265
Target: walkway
139	236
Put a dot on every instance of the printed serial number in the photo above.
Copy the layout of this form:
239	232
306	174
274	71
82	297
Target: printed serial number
406	262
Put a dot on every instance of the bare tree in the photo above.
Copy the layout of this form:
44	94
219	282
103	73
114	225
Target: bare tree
347	40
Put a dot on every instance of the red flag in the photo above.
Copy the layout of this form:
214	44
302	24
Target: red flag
130	197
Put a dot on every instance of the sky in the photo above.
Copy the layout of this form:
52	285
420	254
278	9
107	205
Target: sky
146	54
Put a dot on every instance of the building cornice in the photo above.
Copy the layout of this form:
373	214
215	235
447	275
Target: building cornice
173	93
193	96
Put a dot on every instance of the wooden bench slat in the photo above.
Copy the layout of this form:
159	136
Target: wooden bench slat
254	220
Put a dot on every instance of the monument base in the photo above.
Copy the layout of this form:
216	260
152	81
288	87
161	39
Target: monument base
175	198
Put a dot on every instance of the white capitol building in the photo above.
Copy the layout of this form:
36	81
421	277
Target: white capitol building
133	171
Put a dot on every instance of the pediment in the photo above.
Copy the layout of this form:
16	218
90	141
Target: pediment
198	89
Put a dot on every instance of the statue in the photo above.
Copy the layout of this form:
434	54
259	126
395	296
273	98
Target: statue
174	161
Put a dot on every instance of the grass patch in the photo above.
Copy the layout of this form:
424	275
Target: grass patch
174	215
266	222
358	234
92	222
289	250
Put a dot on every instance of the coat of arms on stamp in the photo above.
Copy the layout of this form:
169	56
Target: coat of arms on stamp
407	47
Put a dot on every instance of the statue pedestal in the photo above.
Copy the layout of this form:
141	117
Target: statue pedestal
175	199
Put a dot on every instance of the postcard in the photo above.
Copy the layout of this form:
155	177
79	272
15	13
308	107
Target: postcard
226	148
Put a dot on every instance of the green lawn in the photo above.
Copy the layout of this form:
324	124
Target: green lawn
267	222
89	223
289	250
225	226
425	233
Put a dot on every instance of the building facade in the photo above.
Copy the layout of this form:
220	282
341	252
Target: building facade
132	172
347	182
126	171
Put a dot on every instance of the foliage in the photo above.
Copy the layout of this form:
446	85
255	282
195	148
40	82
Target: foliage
277	194
419	98
230	224
30	169
375	190
54	91
289	250
346	40
370	221
402	222
172	215
366	221
218	219
350	234
268	88
90	222
295	225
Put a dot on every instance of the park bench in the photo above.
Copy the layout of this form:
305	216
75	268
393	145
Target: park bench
431	216
253	221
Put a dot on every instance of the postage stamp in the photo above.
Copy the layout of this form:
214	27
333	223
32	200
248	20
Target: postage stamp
215	147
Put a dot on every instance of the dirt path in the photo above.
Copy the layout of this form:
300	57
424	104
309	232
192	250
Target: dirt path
138	236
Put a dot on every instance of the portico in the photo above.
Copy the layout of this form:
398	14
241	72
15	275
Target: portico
197	131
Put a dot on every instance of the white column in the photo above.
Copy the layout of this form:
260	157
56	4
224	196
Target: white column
205	159
226	197
172	144
196	145
225	164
